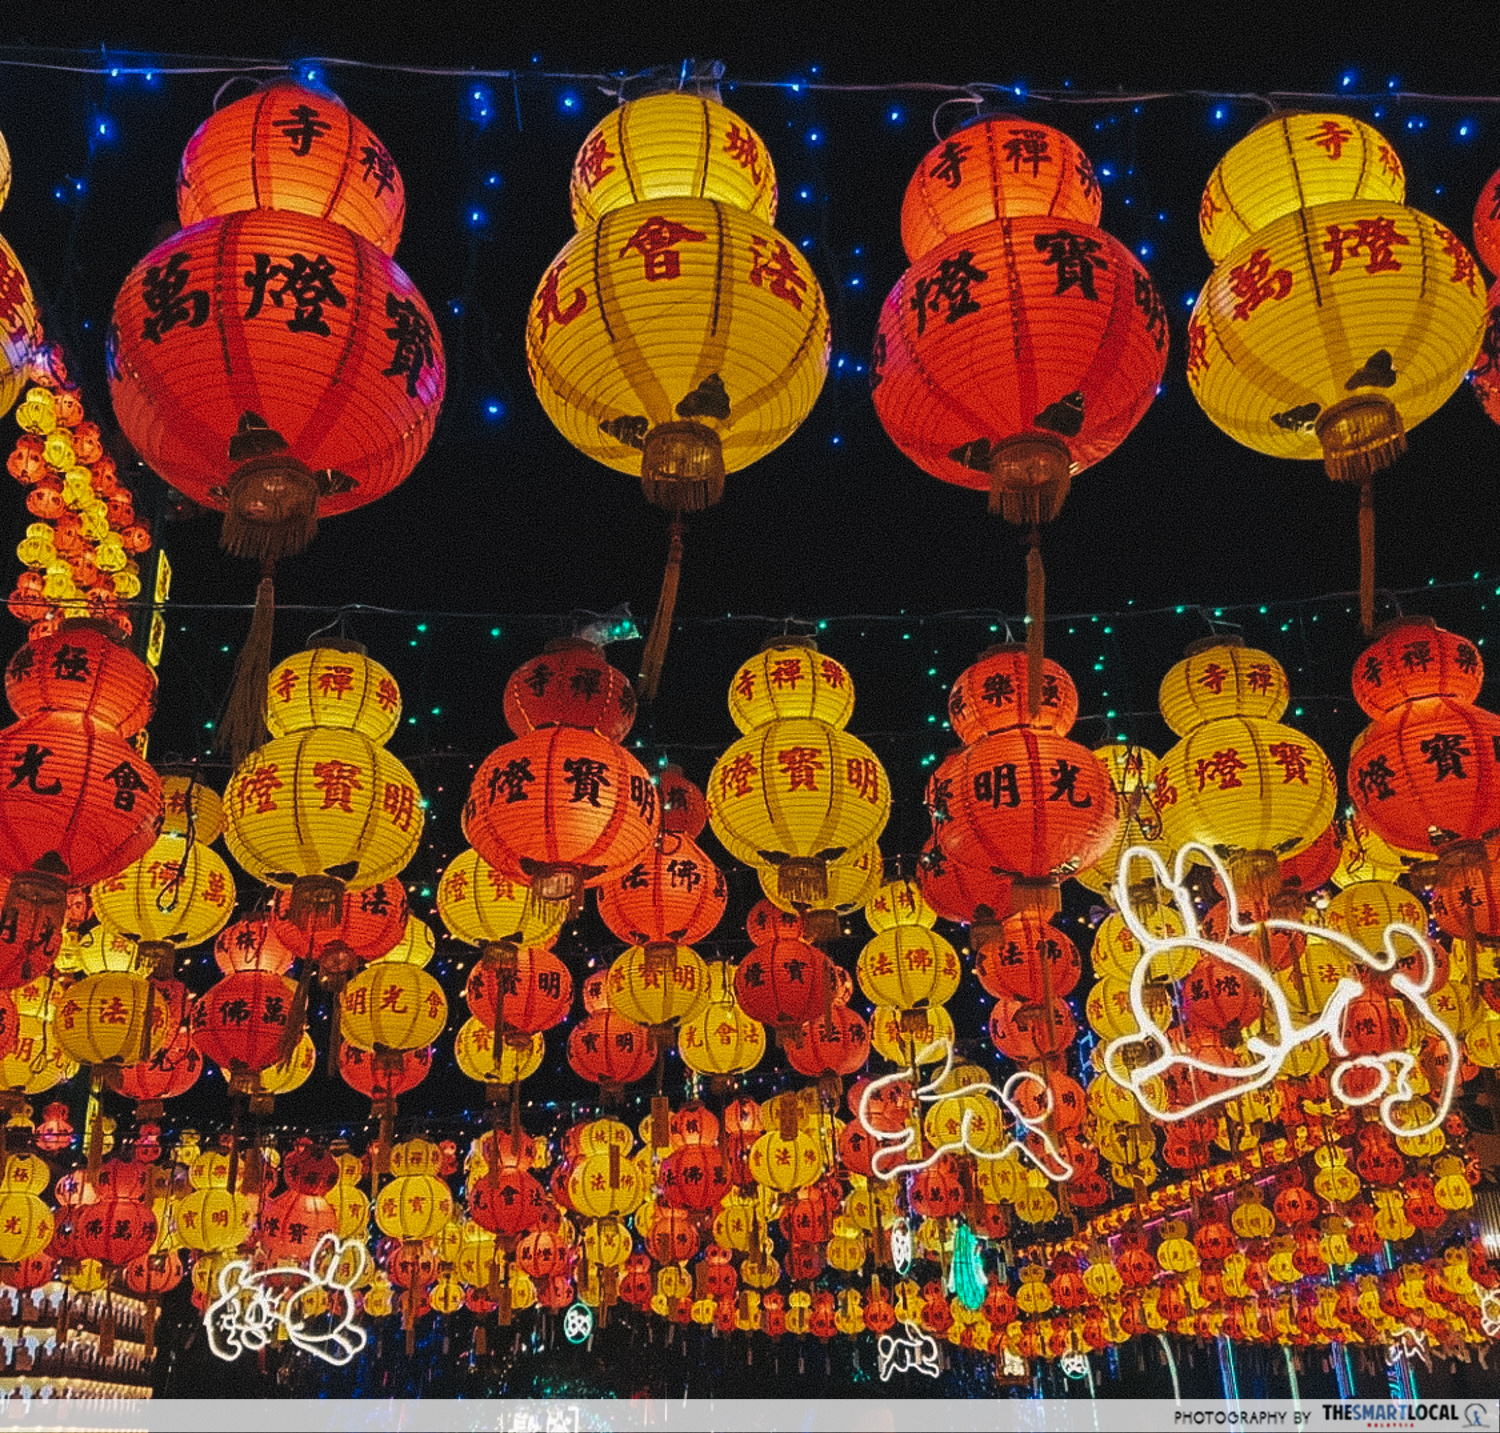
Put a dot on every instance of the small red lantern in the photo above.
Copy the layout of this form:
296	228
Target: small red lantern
372	923
1411	658
507	1201
570	684
1031	1031
83	667
1220	997
609	1050
957	891
674	1236
1030	960
693	1177
830	1045
249	944
936	1192
240	1022
114	1230
992	696
676	895
767	922
784	983
384	1076
293	1221
532	991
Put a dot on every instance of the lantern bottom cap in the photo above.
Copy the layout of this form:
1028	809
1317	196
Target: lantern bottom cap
802	880
1030	476
272	509
1360	436
316	903
682	467
821	926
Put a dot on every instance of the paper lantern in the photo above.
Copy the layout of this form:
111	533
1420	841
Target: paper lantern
1293	161
658	985
671	145
413	1207
783	983
392	1007
416	947
292	147
384	1076
291	1223
180	893
1031	960
1428	773
336	686
907	966
507	1202
532	991
797	793
84	666
189	808
481	906
1414	657
784	1163
1219	997
30	942
837	1043
996	168
607	1049
241	1022
992	695
114	1230
249	944
26	1226
1031	1030
19	327
78	799
903	1036
277	367
371	923
570	684
721	1040
104	1017
562	807
789	677
474	1052
852	880
900	902
961	892
322	803
38	1063
675	894
1221	677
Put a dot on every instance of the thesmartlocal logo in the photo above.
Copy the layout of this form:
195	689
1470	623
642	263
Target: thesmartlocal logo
1407	1415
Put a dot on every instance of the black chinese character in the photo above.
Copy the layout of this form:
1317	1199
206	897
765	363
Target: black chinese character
1075	257
307	282
378	167
302	127
165	292
949	285
413	337
512	778
1064	778
28	769
998	785
587	777
127	782
949	167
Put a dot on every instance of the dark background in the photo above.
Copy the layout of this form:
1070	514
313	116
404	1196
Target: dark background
504	533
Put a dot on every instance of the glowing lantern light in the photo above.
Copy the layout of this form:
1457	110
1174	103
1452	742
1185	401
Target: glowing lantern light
830	1045
570	684
474	1051
1031	960
179	894
659	985
250	944
790	678
1334	325
392	1007
784	983
676	895
677	336
524	995
190	808
721	1040
481	906
608	1050
82	667
333	685
1022	347
908	967
240	1023
295	148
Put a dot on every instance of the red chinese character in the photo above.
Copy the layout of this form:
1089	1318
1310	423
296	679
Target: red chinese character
1292	759
286	683
1223	767
656	242
336	681
801	764
458	885
113	1012
1206	211
1390	161
338	781
216	889
386	695
258	788
1259	678
1163	793
1463	261
1332	137
1213	677
778	273
390	999
400	803
1197	354
1374	237
548	306
864	777
787	673
160	873
833	674
1253	283
593	162
740	774
742	148
744	685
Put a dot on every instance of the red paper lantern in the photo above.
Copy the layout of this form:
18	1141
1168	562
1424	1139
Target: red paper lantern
542	1254
292	147
114	1230
674	894
608	1050
152	1275
83	667
767	922
171	1071
1029	960
684	812
957	891
673	1237
1308	870
784	983
1428	773
277	366
372	923
1414	657
249	944
385	1076
835	1044
693	1177
507	1201
1218	996
29	944
992	695
1487	224
1031	1031
239	1023
292	1222
936	1192
561	807
537	991
570	684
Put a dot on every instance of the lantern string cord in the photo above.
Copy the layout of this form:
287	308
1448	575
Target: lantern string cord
89	62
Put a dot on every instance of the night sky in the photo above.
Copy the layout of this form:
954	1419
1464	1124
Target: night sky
504	532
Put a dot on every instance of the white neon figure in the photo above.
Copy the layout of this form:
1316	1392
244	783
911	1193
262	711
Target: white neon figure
918	1351
895	1143
1409	1343
248	1310
1393	1068
901	1246
1489	1312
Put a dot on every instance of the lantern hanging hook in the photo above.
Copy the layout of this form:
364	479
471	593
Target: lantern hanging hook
971	96
234	80
340	620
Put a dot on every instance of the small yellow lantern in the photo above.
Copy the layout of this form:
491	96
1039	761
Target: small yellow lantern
334	686
392	1007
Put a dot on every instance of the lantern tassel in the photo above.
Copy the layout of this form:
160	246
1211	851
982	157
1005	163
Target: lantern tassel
1367	557
296	1020
1036	617
242	728
661	625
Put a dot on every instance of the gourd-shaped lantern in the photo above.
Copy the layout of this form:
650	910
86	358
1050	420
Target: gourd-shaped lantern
1238	780
562	806
1336	318
796	792
79	804
1021	800
677	335
270	359
20	330
907	965
1024	343
721	1040
1425	774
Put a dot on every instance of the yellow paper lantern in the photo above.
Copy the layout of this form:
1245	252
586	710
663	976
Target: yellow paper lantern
474	1050
103	1017
352	1208
20	331
211	1218
392	1007
721	1039
677	144
479	905
1291	161
1116	950
1243	783
679	324
1482	1041
1132	770
189	808
1363	909
784	1164
38	1063
908	967
790	678
601	1186
1313	975
413	1206
416	947
654	986
852	880
180	893
899	903
293	1072
319	803
26	1226
1222	677
96	951
903	1046
335	686
797	794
